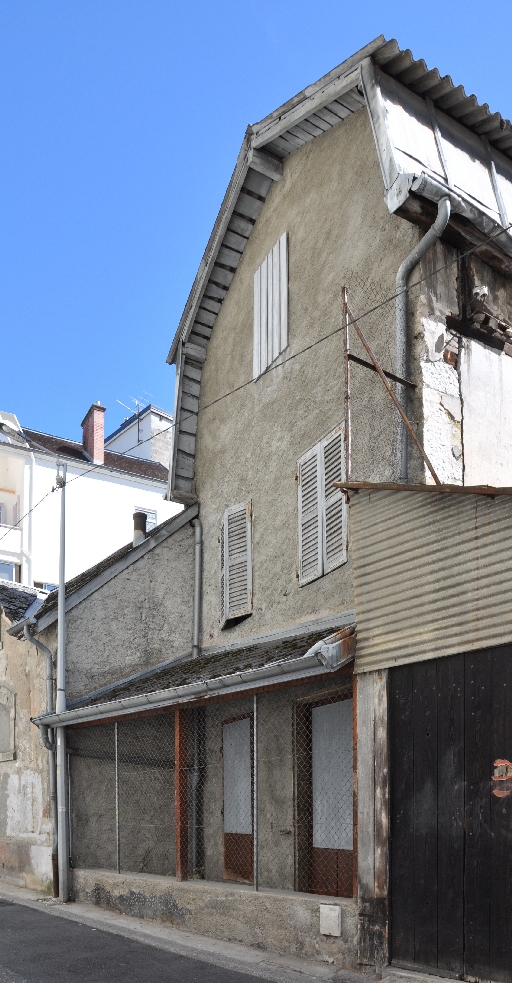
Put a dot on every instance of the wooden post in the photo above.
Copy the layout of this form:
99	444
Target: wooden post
181	793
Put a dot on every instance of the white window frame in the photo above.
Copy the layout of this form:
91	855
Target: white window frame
271	307
313	514
228	611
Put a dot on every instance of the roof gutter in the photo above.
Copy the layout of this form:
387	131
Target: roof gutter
331	653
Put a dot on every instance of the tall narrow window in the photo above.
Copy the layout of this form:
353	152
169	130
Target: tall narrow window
238	798
236	563
271	307
322	508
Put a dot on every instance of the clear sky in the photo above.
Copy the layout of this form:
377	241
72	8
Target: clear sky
121	121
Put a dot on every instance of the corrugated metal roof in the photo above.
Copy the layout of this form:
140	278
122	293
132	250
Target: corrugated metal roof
432	575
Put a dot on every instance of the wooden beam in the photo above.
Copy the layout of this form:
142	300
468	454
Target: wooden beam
181	794
332	90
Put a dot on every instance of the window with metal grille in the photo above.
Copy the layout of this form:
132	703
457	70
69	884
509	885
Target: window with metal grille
236	563
271	307
322	508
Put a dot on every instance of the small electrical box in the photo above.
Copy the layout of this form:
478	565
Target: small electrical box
330	919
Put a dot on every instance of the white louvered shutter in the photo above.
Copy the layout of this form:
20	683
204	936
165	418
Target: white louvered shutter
271	307
334	506
236	562
310	516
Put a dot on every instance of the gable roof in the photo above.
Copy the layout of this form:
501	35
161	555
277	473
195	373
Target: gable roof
72	450
16	599
380	76
86	583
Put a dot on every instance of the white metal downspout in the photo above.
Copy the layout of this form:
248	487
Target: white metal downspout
404	271
50	745
62	790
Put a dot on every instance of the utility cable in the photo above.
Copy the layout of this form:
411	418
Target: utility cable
277	365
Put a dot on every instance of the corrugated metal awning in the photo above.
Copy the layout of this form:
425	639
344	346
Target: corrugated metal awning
432	574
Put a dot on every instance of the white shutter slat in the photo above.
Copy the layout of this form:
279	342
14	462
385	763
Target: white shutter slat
256	359
271	307
334	505
310	516
283	291
276	302
236	562
264	316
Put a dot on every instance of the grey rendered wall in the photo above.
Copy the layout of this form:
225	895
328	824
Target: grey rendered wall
141	617
330	202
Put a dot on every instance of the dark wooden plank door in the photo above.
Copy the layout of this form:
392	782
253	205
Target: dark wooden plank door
451	818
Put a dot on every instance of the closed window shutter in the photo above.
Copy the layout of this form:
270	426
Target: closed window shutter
310	516
223	574
334	505
236	562
271	307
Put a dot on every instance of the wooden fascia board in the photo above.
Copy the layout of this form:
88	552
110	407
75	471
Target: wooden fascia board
373	97
312	90
122	564
211	251
328	93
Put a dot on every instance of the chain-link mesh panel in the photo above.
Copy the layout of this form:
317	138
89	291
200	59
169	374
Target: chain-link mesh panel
92	773
288	755
145	751
122	795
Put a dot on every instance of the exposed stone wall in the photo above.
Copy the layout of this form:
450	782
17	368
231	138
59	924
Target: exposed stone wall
25	828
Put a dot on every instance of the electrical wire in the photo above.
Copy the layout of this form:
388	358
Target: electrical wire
271	368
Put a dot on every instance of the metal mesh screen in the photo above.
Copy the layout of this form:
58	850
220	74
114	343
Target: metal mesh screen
262	792
122	795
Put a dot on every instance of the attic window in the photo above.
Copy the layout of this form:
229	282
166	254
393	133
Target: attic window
271	307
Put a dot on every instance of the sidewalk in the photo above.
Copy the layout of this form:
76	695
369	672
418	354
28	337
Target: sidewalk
226	955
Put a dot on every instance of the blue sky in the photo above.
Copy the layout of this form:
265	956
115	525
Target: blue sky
121	121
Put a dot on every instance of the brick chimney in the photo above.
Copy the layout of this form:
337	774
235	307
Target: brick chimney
93	428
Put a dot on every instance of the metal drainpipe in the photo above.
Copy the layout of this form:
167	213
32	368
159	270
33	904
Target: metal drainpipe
198	529
61	701
50	745
404	271
198	549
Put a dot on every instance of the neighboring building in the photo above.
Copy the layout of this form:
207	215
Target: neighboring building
25	822
269	737
99	506
145	434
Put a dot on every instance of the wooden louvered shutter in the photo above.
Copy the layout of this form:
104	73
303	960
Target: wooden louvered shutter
334	505
271	307
236	562
310	515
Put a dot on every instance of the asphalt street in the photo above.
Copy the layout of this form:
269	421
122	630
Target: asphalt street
36	947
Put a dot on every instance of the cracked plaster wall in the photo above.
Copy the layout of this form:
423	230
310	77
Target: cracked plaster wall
25	828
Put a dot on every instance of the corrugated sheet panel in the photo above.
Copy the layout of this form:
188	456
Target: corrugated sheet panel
432	575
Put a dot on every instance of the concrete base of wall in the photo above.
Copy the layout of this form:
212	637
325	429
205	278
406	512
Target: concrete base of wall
283	922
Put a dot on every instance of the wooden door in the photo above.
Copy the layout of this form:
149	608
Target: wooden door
325	796
451	815
238	847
